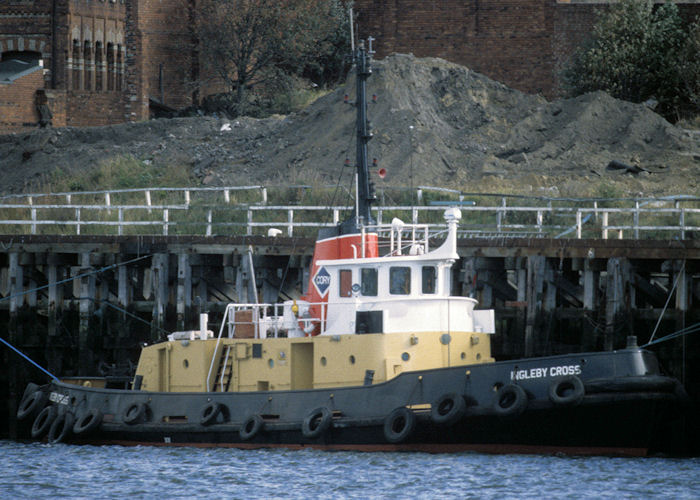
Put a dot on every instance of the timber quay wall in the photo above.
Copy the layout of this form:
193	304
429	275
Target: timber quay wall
84	305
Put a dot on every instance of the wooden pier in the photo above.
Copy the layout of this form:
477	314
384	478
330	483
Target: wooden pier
82	305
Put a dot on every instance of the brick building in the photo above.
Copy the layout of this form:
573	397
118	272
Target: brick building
97	62
102	61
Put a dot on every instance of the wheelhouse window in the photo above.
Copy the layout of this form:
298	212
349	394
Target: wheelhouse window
429	275
345	283
400	280
368	282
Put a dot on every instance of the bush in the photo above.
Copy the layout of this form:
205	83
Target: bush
640	52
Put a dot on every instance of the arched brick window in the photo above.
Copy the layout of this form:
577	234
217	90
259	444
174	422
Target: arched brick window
77	66
111	61
88	64
99	68
120	68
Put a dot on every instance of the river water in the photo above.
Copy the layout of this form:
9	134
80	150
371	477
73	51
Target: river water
68	471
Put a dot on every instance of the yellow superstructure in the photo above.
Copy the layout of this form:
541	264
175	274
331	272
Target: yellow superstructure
277	364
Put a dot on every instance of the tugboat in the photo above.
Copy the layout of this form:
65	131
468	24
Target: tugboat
378	356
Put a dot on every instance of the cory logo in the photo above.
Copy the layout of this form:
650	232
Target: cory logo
322	280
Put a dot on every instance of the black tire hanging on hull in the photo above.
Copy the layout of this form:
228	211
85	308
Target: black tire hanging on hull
510	401
61	428
30	404
317	422
566	391
135	413
448	409
43	421
250	427
210	412
88	422
399	425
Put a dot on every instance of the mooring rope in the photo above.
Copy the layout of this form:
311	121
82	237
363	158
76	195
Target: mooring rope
53	377
670	294
680	333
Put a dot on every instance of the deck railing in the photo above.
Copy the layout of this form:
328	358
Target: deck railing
249	210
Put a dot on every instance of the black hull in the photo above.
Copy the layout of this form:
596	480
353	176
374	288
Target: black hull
622	409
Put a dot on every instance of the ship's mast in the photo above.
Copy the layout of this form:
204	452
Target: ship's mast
362	59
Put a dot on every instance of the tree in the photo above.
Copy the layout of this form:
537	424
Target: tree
638	52
252	43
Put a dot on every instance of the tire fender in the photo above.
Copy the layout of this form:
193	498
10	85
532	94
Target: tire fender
448	409
399	425
317	422
135	413
88	422
43	421
61	427
210	412
566	391
30	404
510	401
250	427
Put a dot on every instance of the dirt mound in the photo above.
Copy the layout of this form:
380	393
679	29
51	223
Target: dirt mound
434	122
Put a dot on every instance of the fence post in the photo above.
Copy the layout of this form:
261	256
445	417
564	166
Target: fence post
148	200
414	215
605	225
121	221
187	197
579	228
539	221
264	195
681	221
290	222
636	220
33	220
77	220
249	228
227	196
165	222
209	222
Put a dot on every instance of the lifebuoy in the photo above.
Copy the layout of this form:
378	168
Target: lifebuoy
30	404
566	391
43	421
399	424
61	427
88	422
135	413
316	422
251	426
510	401
448	409
209	413
308	326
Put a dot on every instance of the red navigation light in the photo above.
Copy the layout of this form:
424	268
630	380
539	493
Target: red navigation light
382	173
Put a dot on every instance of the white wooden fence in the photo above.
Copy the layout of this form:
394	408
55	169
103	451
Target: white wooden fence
246	210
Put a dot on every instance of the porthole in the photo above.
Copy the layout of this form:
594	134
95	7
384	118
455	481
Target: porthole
478	356
463	355
405	356
323	361
352	359
185	363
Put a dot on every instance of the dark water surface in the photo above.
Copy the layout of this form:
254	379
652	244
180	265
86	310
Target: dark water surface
68	471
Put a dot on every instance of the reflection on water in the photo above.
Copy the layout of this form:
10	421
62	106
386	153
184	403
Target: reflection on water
41	471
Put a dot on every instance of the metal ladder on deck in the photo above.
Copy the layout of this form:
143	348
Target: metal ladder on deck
224	372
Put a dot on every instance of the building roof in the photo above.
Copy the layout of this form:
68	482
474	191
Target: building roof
13	68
